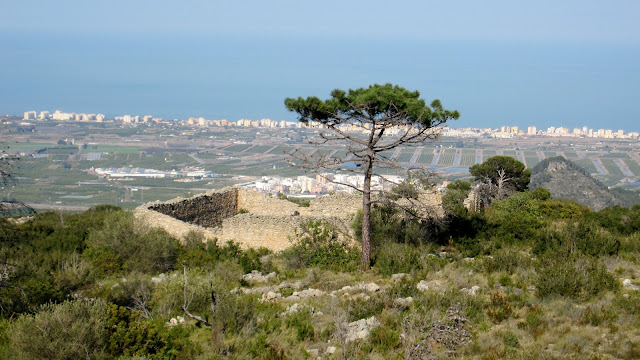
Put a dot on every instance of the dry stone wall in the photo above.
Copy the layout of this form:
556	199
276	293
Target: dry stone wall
206	210
264	222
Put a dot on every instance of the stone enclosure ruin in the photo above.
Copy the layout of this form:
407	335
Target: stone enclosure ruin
247	217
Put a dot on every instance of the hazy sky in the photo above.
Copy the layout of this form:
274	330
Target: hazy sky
569	63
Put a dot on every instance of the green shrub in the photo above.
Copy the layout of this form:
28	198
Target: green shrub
533	321
506	259
516	219
393	258
129	334
598	316
70	330
302	323
386	337
390	225
135	247
402	289
235	312
318	245
578	236
510	339
499	307
199	252
363	309
573	275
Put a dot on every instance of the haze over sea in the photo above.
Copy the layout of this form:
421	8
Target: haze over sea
552	71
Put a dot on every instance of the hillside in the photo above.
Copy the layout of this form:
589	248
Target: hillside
566	180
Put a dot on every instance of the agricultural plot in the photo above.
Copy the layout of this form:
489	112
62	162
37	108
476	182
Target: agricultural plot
406	155
487	154
633	166
531	161
259	149
385	154
426	157
587	164
612	168
25	146
510	153
570	155
111	149
549	154
237	147
468	158
616	155
446	157
207	155
59	157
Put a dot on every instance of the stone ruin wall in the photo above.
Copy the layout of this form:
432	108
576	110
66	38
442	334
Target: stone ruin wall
206	210
264	222
268	222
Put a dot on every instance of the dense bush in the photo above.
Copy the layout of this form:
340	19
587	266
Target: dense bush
318	244
70	330
131	246
395	258
129	334
578	236
573	275
198	252
44	257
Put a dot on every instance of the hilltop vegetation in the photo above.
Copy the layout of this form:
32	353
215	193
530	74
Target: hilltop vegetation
566	180
530	277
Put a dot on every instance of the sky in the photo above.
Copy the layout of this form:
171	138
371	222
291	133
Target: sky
544	63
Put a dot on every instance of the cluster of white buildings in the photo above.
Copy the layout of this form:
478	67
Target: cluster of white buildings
127	172
511	131
321	184
62	116
502	132
506	132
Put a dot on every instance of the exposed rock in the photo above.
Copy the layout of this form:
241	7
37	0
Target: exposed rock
627	284
473	291
271	276
435	285
175	321
403	302
158	279
331	350
292	309
256	277
370	287
271	296
304	294
400	277
360	296
313	352
361	329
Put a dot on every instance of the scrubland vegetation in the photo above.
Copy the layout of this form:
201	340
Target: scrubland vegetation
528	278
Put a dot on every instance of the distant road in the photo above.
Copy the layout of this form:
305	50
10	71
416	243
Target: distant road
58	207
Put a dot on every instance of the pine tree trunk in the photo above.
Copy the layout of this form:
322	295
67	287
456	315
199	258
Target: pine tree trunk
366	217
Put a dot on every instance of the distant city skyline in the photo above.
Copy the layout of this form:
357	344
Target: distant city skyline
546	63
504	131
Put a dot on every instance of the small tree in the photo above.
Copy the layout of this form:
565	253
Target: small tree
370	121
499	177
